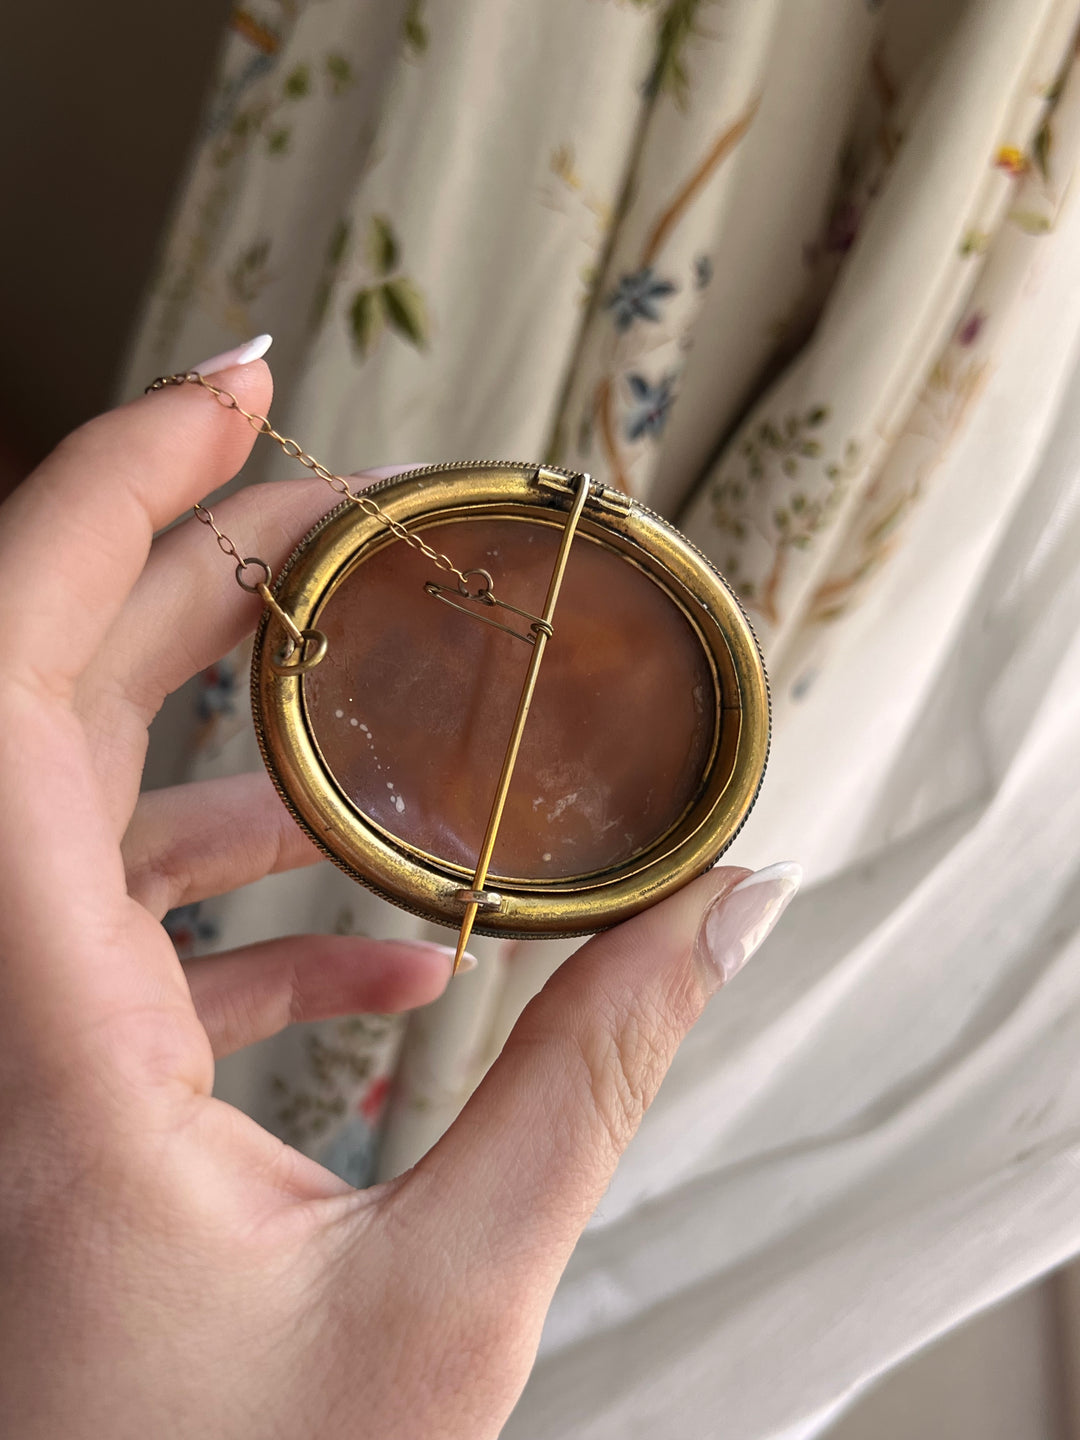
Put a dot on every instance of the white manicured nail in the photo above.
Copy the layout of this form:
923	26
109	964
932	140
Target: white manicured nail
241	355
468	962
734	926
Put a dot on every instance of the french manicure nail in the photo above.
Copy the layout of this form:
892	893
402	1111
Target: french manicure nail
734	926
241	355
468	962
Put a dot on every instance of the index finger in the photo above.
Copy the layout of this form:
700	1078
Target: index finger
75	536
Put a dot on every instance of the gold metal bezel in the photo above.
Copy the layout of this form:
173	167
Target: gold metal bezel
424	884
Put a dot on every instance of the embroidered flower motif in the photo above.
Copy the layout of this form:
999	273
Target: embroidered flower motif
971	328
636	296
975	242
802	686
703	271
187	927
651	403
351	1152
217	691
843	228
838	236
374	1098
1011	159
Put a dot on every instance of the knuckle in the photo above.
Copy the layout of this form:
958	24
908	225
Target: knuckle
626	1059
158	881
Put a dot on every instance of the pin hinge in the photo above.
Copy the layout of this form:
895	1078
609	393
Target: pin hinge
482	899
601	497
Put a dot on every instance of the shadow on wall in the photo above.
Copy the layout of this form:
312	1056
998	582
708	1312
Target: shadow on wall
98	104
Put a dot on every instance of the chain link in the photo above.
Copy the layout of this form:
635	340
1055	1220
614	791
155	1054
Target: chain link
261	425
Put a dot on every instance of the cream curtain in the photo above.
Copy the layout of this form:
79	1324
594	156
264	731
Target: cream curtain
802	273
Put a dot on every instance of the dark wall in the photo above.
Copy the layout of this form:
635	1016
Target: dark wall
98	106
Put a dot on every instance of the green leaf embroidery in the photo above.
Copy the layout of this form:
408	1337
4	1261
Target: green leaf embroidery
1031	222
339	73
335	255
248	274
975	242
783	445
383	248
1041	148
277	142
414	29
669	73
298	83
405	310
339	240
367	317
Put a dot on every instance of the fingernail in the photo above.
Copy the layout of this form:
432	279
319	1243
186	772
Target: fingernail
468	962
241	355
734	926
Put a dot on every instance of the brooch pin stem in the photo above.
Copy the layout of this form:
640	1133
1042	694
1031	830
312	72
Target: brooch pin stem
542	632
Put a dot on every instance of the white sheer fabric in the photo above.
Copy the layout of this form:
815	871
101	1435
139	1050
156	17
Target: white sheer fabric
876	1131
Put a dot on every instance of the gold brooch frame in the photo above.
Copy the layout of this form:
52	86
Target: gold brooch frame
426	884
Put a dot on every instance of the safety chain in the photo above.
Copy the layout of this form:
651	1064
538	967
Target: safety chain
306	648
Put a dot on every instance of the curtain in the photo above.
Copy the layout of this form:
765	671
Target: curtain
803	275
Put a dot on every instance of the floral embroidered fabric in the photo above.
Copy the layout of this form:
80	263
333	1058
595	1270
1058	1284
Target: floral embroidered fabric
802	276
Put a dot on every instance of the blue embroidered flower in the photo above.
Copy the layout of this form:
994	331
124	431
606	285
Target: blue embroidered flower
703	271
223	114
803	685
649	411
636	296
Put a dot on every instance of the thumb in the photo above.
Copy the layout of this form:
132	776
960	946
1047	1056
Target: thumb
530	1156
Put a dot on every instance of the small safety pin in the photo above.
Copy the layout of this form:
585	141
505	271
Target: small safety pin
484	596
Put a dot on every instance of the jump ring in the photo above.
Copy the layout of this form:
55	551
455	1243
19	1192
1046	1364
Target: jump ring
245	564
314	640
485	589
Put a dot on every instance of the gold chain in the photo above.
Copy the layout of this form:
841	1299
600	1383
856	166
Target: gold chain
337	483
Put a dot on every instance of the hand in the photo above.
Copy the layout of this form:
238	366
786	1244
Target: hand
170	1268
